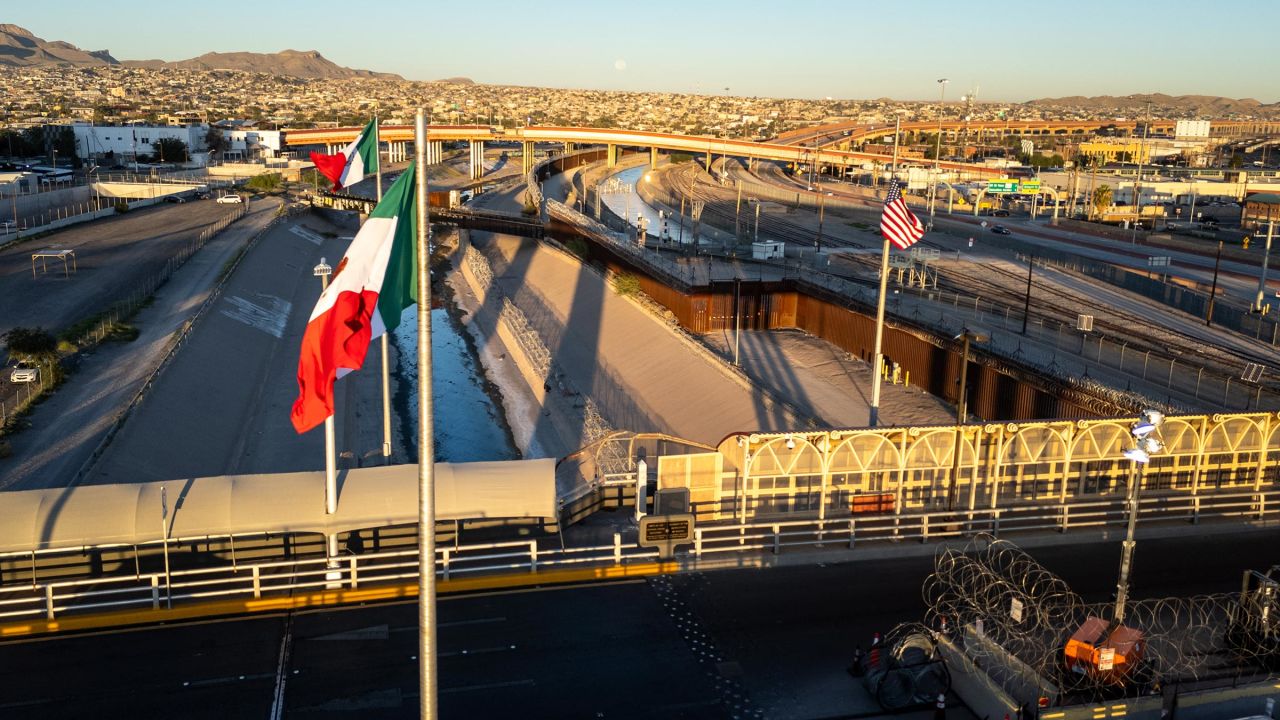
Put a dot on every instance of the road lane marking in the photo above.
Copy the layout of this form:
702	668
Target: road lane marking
277	698
477	651
488	686
270	317
458	623
226	680
306	234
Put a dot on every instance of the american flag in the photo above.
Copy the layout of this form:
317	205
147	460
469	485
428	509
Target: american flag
897	222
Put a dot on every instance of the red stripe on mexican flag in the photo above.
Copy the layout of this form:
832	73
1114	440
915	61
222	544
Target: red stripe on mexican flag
356	160
372	285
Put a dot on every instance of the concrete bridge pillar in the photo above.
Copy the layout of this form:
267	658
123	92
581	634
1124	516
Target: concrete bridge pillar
526	157
568	148
653	158
612	156
477	159
437	149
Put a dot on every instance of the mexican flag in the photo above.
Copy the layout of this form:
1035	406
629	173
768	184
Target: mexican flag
357	160
376	280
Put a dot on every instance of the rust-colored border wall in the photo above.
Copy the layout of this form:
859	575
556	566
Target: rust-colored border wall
993	395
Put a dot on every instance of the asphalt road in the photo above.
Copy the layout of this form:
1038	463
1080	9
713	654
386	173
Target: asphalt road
113	257
222	406
769	642
67	427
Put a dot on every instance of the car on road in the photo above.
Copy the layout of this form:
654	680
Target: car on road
174	199
230	200
23	373
1000	230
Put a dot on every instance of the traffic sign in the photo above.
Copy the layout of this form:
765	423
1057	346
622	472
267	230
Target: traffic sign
1002	186
1029	186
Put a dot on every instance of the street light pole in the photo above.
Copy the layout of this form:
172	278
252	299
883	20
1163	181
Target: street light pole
937	151
1266	258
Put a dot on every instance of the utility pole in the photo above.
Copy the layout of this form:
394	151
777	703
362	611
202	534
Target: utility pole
1213	293
1137	182
1026	306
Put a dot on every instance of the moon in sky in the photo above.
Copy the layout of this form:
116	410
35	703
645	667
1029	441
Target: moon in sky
619	64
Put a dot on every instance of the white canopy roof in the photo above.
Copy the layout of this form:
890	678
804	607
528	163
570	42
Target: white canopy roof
284	502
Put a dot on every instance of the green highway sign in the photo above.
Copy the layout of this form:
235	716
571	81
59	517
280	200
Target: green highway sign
1002	186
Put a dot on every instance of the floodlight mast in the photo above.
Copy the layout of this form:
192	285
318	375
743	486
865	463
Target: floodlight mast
1141	454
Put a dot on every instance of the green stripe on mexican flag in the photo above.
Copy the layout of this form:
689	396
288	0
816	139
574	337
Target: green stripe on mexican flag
370	288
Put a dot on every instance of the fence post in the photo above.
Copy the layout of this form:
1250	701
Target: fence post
533	556
1169	383
48	601
1195	509
448	555
1066	517
777	540
155	592
257	582
353	572
852	536
924	528
697	542
617	548
995	531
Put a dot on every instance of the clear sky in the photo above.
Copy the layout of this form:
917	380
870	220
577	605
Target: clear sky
788	48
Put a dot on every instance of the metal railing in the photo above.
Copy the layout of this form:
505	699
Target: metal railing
154	590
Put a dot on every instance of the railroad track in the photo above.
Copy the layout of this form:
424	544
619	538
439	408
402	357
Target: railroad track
1114	323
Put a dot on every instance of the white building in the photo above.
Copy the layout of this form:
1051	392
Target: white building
99	143
251	144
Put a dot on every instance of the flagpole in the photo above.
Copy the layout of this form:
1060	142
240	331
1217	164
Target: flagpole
330	445
386	352
426	444
876	368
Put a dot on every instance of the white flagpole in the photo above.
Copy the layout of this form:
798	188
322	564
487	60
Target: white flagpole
876	368
426	444
386	357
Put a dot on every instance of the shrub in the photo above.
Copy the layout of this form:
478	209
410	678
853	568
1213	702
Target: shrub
578	247
626	284
122	206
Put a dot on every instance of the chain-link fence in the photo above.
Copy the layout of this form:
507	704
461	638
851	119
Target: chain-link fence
108	321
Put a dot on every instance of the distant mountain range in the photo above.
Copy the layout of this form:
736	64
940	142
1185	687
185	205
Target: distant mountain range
20	48
1205	105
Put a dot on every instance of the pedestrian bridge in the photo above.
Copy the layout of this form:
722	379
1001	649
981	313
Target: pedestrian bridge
90	549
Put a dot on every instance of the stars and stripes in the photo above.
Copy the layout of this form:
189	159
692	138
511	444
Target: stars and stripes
897	221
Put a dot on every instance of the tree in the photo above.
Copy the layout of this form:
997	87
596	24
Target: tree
1101	199
35	346
215	140
170	150
1236	161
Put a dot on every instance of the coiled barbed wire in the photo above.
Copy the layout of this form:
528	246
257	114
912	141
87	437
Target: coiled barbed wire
1028	614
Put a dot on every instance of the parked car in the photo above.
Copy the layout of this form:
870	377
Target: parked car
230	200
1000	230
174	199
23	373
